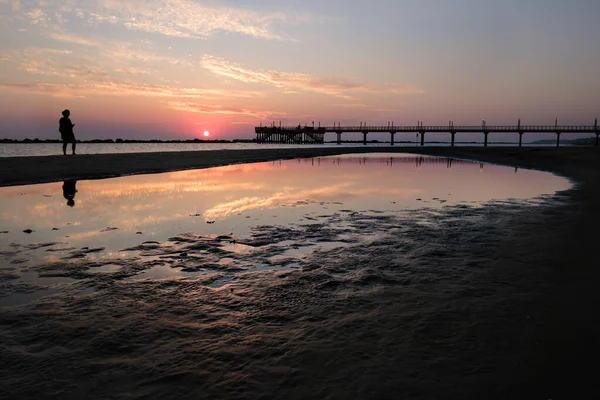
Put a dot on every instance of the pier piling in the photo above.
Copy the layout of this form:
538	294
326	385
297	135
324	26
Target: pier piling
520	139
596	130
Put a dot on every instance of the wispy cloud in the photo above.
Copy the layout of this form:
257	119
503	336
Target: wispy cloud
218	109
216	93
186	18
37	16
71	38
110	87
350	105
49	89
127	53
175	18
326	85
117	71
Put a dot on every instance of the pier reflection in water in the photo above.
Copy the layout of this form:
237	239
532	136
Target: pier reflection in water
114	214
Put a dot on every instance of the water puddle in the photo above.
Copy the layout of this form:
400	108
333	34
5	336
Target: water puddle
215	224
17	299
106	268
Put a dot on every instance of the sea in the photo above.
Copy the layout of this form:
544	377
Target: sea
49	149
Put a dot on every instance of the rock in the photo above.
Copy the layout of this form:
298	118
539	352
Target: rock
55	229
139	233
28	231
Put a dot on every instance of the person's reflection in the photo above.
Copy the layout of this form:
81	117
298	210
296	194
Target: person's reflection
69	191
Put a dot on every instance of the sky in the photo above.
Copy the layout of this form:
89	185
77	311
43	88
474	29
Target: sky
172	69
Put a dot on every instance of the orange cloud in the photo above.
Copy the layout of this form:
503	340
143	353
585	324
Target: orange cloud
71	38
326	85
218	109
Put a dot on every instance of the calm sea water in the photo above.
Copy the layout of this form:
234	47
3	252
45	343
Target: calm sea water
49	149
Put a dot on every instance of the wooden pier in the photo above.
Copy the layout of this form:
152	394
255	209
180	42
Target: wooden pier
312	135
290	135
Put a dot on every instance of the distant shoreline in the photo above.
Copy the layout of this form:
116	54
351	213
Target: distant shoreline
120	141
581	141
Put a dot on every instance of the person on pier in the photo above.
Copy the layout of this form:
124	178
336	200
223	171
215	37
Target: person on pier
65	127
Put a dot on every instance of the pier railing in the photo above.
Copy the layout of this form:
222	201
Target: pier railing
310	134
466	128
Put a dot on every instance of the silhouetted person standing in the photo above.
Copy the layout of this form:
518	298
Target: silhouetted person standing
69	191
65	127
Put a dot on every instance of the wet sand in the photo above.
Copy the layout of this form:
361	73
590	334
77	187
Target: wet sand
498	302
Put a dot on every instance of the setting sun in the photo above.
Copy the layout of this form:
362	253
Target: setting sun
206	133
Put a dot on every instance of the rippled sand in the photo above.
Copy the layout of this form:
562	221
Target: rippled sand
403	300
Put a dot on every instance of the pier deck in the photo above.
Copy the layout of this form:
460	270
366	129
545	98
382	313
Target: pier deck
312	135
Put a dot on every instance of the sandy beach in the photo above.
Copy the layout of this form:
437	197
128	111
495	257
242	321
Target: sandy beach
520	321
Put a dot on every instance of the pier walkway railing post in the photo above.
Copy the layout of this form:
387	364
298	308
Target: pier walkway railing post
422	138
392	138
452	141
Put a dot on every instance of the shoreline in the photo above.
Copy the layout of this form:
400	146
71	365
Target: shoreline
552	358
45	169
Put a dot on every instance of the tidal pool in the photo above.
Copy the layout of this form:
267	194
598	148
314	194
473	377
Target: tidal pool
214	225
